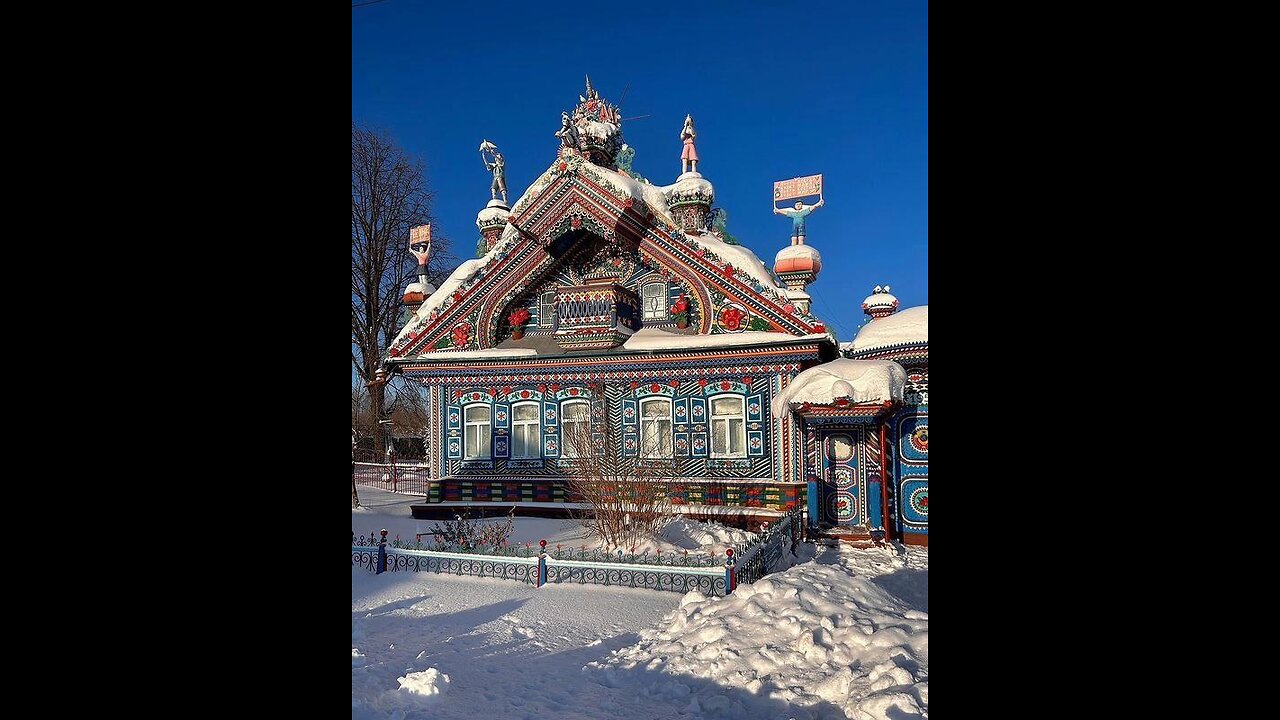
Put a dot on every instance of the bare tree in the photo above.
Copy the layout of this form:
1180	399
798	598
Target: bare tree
389	196
628	497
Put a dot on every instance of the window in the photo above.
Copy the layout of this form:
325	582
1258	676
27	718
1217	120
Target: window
728	427
655	428
655	301
476	439
547	310
575	418
526	431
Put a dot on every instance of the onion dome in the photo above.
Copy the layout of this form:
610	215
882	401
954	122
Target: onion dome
880	303
493	215
689	200
492	220
417	292
797	258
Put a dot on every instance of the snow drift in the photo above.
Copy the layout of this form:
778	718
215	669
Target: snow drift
819	639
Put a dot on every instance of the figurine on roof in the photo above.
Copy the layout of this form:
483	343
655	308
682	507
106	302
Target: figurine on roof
689	154
498	167
797	216
568	134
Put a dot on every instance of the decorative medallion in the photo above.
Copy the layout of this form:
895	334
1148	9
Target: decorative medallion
842	506
462	334
920	438
733	317
843	477
919	500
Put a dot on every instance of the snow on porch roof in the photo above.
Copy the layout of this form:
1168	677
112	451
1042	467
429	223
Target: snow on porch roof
864	381
901	328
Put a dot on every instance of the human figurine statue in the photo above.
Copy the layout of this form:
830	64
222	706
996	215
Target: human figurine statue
797	216
567	133
499	169
689	154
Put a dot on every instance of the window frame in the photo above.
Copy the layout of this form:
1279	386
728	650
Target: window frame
467	424
645	446
565	443
661	312
725	420
536	423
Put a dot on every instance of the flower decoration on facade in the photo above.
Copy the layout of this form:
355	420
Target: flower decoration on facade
518	319
680	311
731	318
462	334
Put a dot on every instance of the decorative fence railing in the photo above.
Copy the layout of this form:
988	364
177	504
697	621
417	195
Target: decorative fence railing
678	572
398	478
766	553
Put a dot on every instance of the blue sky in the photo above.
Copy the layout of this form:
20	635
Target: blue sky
777	90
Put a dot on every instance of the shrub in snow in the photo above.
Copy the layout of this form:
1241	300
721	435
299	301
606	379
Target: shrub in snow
467	532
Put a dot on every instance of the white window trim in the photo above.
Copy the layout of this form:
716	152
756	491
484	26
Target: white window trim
645	447
661	312
724	419
536	422
564	426
467	425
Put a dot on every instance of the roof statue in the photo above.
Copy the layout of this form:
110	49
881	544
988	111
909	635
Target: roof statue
496	165
567	133
689	154
798	188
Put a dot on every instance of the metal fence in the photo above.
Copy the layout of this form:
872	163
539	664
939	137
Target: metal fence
410	479
766	553
675	573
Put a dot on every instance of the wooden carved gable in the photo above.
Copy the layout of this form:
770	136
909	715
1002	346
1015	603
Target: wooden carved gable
578	202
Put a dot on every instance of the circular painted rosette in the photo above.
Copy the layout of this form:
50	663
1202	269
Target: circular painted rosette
920	439
919	501
733	318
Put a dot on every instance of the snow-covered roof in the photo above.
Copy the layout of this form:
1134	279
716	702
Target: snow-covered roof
655	339
598	129
690	185
490	354
793	252
901	328
424	288
863	381
493	213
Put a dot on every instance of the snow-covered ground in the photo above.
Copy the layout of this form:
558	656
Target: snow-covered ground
844	635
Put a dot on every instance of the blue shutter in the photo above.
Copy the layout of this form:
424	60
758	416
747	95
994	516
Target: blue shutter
501	443
681	409
630	435
551	429
755	414
453	432
698	416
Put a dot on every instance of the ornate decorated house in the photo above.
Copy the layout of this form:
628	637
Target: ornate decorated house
605	300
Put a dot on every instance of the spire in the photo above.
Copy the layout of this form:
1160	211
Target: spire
591	92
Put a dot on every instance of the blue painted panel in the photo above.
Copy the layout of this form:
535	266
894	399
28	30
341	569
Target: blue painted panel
755	408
